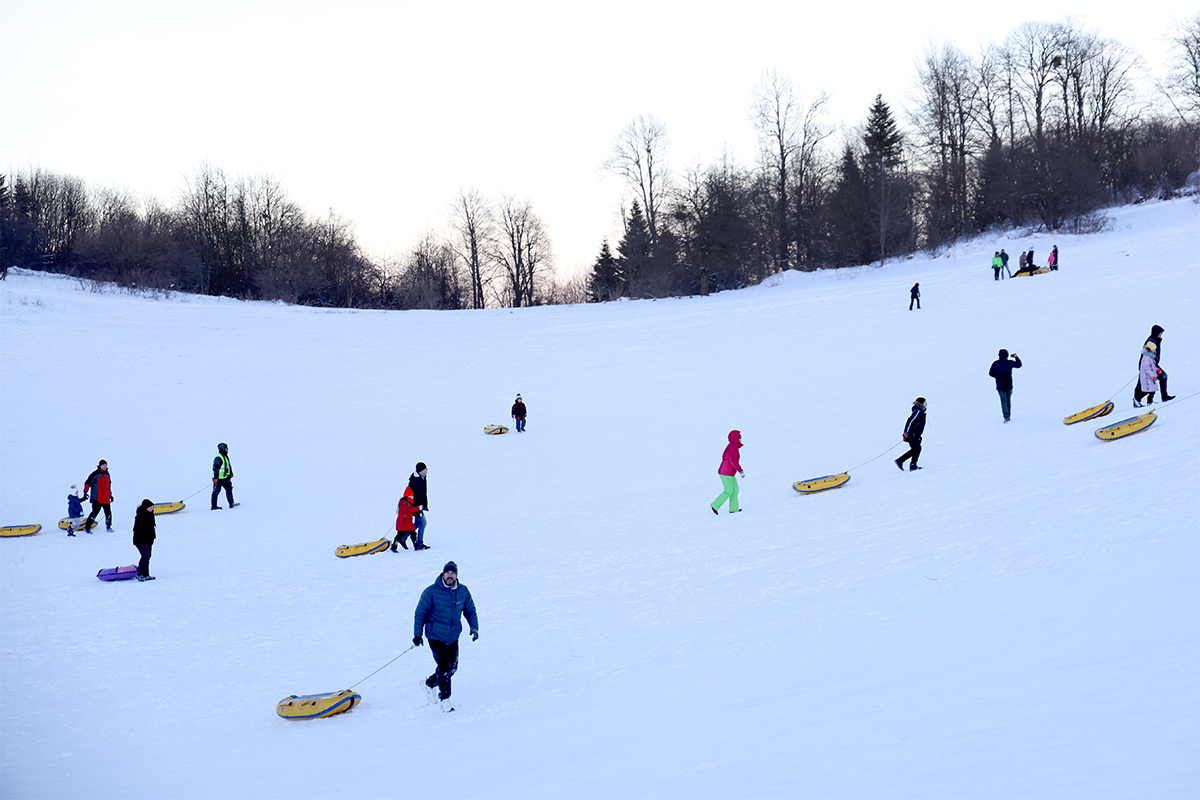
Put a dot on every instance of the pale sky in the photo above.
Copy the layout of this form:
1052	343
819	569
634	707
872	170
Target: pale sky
384	111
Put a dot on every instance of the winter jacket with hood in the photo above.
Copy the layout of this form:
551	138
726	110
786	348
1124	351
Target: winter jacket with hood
730	460
143	526
440	611
915	427
1148	370
100	485
405	511
1002	371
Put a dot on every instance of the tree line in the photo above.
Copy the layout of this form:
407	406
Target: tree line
1045	128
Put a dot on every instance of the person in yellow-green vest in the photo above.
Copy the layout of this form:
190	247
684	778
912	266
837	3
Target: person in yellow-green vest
223	477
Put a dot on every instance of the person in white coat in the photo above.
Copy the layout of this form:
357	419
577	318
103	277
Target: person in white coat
1147	376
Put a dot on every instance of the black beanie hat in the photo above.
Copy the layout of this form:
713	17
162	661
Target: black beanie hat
450	567
421	466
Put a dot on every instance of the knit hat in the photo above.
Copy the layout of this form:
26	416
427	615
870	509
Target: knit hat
450	567
1153	348
421	466
74	490
102	463
920	401
222	447
518	397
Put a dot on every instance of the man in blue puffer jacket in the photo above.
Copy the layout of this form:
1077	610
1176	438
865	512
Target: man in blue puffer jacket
439	616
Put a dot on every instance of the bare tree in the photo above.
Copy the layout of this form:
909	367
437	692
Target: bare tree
1183	81
474	228
944	119
639	158
790	134
521	251
1032	52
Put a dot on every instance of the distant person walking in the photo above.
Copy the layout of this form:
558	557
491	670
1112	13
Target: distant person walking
223	477
1155	338
1029	261
438	617
914	429
914	296
1052	262
99	483
418	495
1002	371
997	265
730	463
1004	261
143	538
518	414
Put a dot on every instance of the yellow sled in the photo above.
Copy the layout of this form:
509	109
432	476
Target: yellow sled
160	509
494	430
1101	410
821	484
80	523
315	706
364	549
1126	427
17	531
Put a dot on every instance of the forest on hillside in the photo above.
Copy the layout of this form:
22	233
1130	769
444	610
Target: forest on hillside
1044	129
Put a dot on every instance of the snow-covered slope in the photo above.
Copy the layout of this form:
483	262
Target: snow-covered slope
1020	618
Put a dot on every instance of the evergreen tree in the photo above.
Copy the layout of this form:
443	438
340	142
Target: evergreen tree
606	281
883	140
634	251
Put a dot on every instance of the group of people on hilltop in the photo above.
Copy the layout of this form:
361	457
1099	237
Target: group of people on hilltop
1150	376
1025	264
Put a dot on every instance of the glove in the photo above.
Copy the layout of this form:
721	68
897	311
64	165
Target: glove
474	634
417	641
214	481
904	436
741	473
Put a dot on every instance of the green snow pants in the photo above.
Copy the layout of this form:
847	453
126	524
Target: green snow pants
730	494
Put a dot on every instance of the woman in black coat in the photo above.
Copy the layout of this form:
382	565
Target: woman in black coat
143	538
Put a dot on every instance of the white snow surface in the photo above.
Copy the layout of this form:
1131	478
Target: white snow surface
1019	619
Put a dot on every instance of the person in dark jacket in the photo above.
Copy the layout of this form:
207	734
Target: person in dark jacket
914	296
1002	371
99	483
1004	262
914	429
519	412
222	477
143	538
438	617
418	493
1156	337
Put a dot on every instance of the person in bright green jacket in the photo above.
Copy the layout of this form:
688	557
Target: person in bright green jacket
997	265
222	476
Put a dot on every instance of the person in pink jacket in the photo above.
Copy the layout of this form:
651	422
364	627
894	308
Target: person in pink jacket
730	463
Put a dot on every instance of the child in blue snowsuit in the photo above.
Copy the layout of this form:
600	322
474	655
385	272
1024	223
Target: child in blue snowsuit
74	509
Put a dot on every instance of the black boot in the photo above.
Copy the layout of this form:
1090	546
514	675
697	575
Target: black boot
1162	388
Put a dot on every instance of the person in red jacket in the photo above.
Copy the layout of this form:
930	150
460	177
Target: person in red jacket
100	485
730	463
405	526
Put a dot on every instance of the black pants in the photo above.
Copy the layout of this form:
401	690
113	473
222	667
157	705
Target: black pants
914	450
916	300
446	656
144	562
96	510
228	484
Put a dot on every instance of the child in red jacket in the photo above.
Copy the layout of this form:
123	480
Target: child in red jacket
405	526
